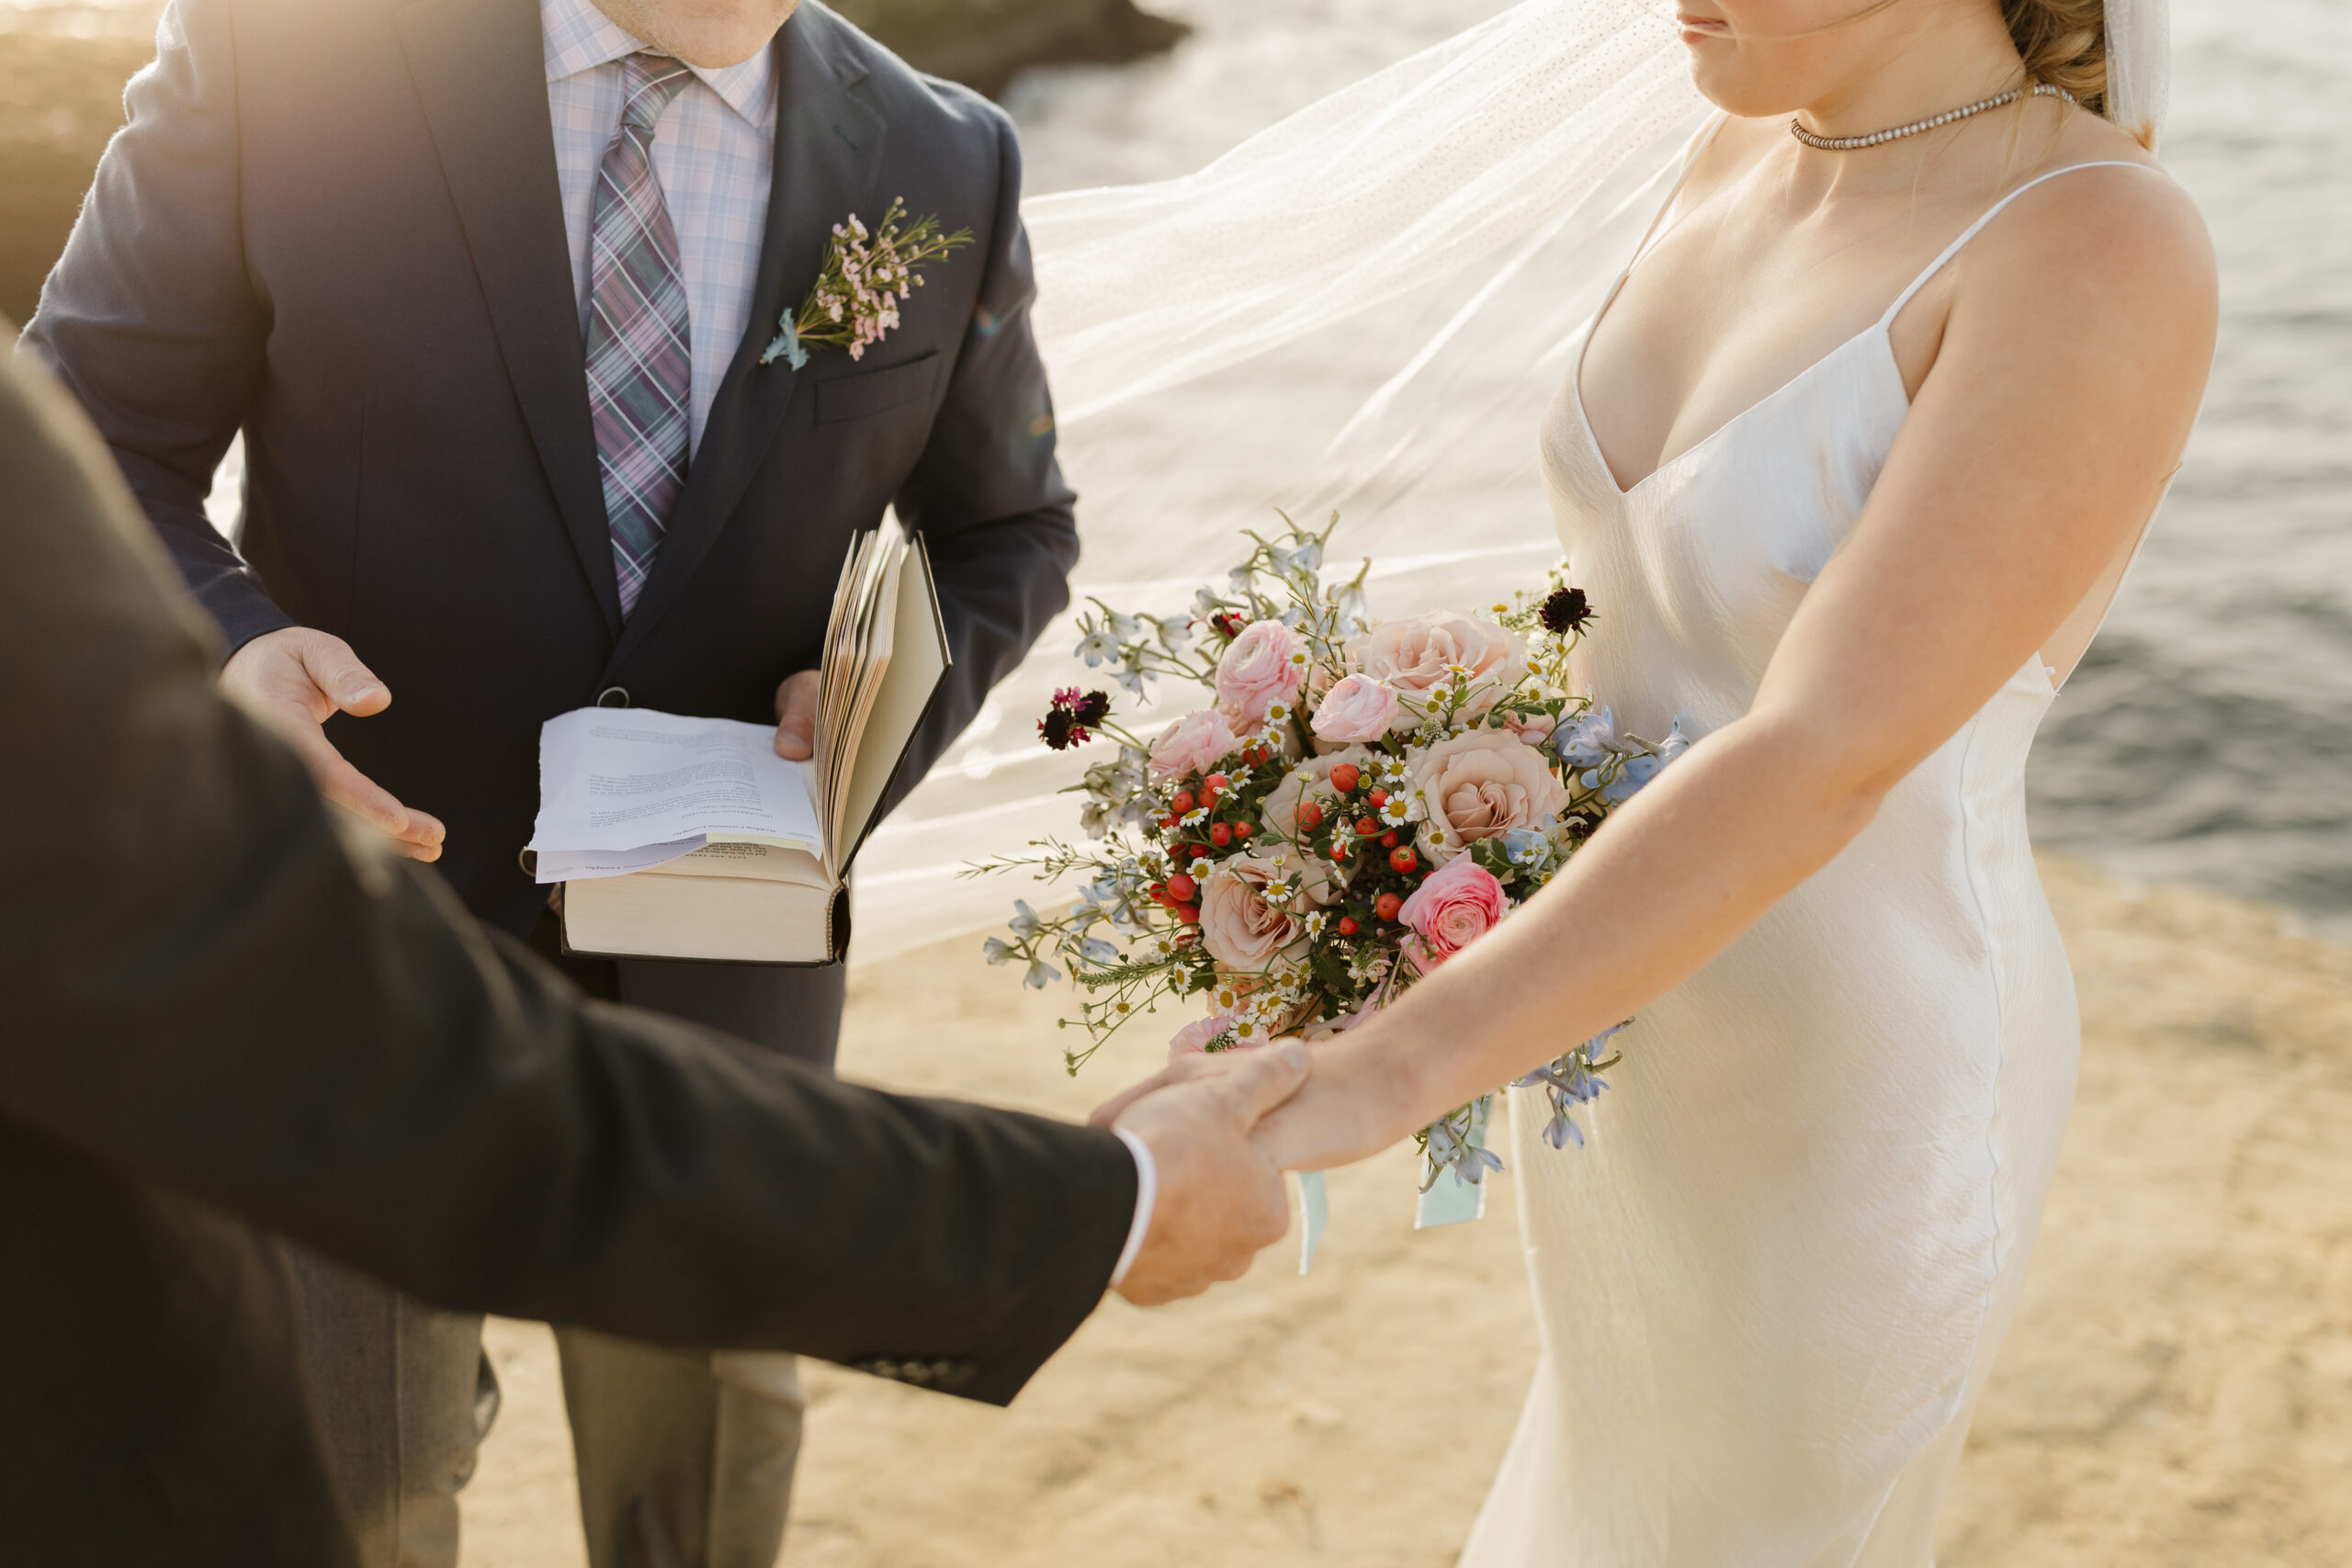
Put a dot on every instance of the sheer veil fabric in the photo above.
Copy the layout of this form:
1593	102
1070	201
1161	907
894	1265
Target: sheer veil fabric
1365	306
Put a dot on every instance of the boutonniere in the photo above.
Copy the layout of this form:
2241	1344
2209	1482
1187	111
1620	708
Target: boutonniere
856	299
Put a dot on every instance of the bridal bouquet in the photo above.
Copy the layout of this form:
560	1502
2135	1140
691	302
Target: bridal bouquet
1358	802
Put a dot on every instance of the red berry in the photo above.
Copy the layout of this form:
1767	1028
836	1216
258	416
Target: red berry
1388	839
1199	851
1171	823
1340	852
1402	858
1367	826
1377	799
1347	925
1387	906
1190	913
1180	887
1243	829
1345	776
1220	834
1310	816
1181	802
1212	786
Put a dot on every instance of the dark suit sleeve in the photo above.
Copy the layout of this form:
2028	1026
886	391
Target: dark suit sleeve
151	318
216	985
987	494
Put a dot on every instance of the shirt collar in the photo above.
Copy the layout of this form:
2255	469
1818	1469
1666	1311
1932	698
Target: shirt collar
576	37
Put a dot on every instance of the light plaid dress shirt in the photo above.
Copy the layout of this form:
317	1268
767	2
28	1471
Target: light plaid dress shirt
714	151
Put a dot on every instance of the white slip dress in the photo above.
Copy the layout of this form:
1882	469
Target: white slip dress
1770	1289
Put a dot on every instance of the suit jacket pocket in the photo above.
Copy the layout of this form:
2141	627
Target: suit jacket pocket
872	391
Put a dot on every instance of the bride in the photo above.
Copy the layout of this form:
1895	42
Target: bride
1856	451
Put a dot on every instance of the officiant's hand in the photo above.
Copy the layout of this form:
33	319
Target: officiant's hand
1221	1200
796	716
293	680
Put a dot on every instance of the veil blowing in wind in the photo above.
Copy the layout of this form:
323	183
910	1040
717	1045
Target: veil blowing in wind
1373	297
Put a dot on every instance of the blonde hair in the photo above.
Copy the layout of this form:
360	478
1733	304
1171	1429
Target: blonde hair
2064	44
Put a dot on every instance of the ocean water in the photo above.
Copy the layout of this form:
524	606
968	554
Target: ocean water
2208	735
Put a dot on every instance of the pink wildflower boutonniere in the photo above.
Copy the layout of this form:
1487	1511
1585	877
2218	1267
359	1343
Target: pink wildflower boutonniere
855	299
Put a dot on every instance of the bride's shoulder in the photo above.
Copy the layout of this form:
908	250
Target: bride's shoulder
2098	251
2095	211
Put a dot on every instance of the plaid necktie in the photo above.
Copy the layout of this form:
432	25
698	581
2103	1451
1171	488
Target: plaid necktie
640	371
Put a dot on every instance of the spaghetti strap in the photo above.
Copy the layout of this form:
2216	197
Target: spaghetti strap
1991	212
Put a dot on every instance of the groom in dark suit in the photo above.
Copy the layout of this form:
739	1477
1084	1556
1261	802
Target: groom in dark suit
484	283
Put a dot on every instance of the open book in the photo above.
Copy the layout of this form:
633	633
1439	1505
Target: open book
690	838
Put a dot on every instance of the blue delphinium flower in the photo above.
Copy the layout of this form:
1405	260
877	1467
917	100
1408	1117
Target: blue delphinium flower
1588	741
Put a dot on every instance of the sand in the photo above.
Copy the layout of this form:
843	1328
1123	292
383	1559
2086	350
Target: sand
2178	1390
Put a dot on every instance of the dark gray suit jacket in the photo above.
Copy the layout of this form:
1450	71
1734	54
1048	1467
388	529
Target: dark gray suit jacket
221	1003
335	224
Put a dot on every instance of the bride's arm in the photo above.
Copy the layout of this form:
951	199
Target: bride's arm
2070	370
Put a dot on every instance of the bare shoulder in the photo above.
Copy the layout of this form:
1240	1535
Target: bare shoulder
2096	246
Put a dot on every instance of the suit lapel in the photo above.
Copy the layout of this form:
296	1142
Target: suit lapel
828	154
481	75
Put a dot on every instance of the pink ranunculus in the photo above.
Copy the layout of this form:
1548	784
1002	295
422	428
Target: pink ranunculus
1194	1037
1480	784
1411	656
1264	665
1359	709
1193	744
1459	903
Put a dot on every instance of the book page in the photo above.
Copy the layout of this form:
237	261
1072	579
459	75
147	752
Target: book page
873	664
919	660
626	778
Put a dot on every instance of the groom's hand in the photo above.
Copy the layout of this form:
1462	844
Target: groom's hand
1221	1201
796	716
293	679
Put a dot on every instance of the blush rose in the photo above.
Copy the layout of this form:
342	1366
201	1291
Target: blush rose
1265	664
1412	656
1357	709
1480	784
1241	930
1194	743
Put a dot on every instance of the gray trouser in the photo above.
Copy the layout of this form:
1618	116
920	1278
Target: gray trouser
685	1457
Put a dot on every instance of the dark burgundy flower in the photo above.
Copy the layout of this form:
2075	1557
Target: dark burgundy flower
1227	623
1567	610
1070	721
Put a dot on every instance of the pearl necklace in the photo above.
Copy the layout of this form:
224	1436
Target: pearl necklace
1848	144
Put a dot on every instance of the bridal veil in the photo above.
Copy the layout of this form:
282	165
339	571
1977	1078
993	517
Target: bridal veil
1365	307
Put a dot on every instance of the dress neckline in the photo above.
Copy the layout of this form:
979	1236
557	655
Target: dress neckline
1881	328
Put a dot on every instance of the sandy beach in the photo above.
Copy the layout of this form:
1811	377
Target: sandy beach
2178	1390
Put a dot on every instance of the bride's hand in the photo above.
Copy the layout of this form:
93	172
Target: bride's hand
1348	1110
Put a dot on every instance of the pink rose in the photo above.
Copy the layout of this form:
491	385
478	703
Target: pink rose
1194	1037
1265	664
1193	744
1358	708
1533	728
1480	784
1459	903
1241	930
1412	656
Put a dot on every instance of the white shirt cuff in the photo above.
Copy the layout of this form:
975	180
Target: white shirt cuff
1147	1195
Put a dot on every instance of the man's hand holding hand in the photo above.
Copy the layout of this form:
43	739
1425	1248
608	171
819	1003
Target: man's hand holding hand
293	680
796	716
1221	1201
